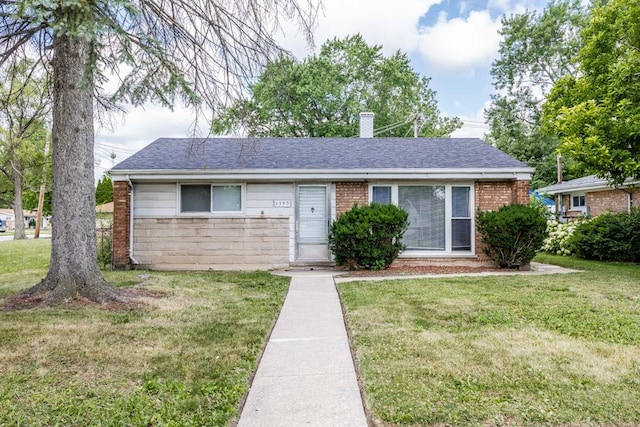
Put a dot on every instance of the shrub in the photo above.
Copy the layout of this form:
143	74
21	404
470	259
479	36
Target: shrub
368	236
105	243
559	234
609	237
513	234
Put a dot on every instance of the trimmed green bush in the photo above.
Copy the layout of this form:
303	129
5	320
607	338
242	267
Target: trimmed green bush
513	234
609	237
368	237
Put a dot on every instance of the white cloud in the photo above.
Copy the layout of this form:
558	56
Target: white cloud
142	125
390	24
460	44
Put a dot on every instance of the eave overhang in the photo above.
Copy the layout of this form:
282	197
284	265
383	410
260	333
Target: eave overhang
280	175
585	188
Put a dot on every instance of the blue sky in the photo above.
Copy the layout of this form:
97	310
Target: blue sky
451	41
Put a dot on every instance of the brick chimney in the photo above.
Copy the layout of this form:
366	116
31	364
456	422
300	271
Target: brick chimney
366	125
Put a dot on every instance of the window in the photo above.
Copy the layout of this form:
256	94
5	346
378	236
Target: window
195	198
207	198
426	208
226	199
440	216
578	201
381	194
460	219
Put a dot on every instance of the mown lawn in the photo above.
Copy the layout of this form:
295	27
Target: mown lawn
560	350
183	359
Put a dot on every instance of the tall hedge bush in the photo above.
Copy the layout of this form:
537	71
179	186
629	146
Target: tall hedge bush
609	237
512	234
368	237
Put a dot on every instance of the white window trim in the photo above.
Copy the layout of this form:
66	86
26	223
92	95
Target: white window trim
578	208
211	213
448	252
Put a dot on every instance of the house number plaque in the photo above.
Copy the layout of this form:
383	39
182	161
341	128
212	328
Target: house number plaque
282	203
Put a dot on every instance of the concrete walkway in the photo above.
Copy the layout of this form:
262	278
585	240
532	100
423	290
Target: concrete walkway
306	375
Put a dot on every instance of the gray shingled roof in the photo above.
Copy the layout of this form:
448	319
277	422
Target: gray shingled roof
574	184
578	184
318	154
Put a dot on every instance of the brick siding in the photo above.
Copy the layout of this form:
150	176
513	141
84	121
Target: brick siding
491	195
599	202
121	224
348	193
612	201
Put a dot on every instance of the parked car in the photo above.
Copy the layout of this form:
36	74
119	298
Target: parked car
3	226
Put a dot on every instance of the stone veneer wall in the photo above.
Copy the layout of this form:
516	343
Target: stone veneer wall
121	224
247	243
348	193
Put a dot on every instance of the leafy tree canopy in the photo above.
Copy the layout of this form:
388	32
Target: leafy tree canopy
104	190
597	112
158	50
323	95
537	49
24	108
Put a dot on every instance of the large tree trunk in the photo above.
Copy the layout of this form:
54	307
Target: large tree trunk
74	266
19	232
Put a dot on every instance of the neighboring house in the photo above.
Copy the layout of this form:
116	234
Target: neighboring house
592	196
104	215
9	219
221	204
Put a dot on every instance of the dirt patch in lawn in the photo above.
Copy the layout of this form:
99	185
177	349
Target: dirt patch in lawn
134	294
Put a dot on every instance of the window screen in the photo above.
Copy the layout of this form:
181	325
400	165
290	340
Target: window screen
227	198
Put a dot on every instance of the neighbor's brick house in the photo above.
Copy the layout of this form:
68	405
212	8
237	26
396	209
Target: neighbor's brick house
268	203
592	196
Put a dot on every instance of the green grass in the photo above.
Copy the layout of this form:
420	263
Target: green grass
183	359
560	350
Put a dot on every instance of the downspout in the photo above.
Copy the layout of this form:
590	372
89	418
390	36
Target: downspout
133	260
629	198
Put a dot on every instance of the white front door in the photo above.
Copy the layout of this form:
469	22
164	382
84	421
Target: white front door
312	226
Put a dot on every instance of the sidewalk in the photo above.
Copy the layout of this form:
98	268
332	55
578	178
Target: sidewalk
306	375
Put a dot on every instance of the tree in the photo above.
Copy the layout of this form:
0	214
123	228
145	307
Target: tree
323	95
199	51
597	112
535	52
104	190
24	106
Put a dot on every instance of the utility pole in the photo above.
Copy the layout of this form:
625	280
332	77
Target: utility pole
415	125
43	188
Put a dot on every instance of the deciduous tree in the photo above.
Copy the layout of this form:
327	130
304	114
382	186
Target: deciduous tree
536	50
198	51
24	106
322	96
597	112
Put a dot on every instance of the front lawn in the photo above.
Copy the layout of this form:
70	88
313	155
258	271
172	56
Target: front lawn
184	358
560	350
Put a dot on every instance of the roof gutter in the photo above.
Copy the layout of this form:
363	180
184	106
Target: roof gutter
324	175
